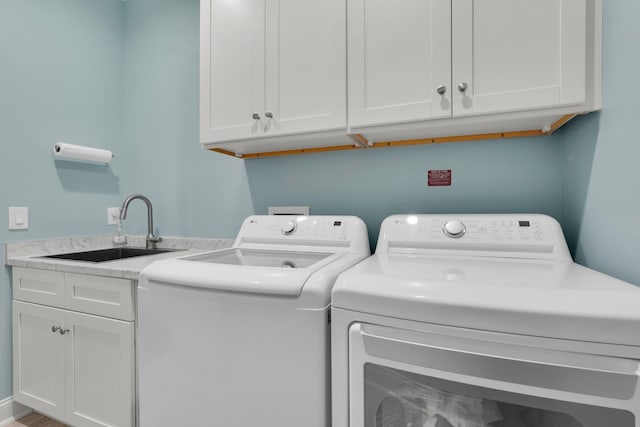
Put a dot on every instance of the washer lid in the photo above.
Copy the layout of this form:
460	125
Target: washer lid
275	272
261	258
554	299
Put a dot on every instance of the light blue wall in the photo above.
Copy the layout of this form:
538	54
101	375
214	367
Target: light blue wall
194	192
115	75
60	80
514	175
601	161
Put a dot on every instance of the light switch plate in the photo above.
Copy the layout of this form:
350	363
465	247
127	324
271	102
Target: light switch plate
18	218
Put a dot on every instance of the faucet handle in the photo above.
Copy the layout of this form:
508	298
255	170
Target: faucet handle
152	241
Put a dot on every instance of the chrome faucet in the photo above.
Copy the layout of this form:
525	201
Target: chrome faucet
151	238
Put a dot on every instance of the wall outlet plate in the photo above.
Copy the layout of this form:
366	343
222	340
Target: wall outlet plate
113	216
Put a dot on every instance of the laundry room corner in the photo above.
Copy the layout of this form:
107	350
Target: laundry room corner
601	200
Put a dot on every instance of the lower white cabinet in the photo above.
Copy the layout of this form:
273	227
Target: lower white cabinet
38	358
76	367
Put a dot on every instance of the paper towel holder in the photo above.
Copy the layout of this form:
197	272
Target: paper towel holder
79	153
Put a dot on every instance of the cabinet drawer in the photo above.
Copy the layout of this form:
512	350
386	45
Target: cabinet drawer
103	296
38	286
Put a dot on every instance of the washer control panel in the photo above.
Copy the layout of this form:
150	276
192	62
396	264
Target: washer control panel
343	231
505	233
302	228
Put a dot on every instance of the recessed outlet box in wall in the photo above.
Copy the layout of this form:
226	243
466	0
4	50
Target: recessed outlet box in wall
288	210
18	218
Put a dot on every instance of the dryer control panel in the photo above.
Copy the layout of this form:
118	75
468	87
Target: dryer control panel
513	235
497	230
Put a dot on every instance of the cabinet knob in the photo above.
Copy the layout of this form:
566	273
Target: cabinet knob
268	115
55	329
442	89
255	116
462	87
64	331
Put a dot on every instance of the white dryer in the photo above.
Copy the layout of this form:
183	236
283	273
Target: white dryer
482	320
240	337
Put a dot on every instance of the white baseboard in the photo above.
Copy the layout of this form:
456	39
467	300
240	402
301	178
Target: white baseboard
11	411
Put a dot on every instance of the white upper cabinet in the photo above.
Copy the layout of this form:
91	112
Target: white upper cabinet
232	84
399	54
305	66
281	76
270	69
511	55
433	68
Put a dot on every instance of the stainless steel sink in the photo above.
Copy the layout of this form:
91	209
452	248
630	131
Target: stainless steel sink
110	254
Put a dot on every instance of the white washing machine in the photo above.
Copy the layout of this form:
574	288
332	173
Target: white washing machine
482	320
240	337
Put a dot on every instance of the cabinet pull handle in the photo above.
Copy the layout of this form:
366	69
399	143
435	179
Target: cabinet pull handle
255	116
269	116
64	331
55	329
442	89
462	87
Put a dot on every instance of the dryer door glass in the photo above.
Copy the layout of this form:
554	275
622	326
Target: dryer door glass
423	378
395	398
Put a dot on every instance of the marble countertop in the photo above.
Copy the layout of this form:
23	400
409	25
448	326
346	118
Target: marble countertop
29	254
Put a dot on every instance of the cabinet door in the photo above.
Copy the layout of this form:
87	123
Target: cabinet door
99	387
38	358
305	66
518	54
231	69
399	54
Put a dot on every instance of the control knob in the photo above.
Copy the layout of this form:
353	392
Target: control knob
289	228
454	229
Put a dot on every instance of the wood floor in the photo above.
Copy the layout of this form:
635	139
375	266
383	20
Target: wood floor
36	420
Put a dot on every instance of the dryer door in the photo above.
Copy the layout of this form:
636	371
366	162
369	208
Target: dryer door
416	378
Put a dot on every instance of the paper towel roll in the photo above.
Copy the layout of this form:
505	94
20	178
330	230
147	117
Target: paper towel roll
80	153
